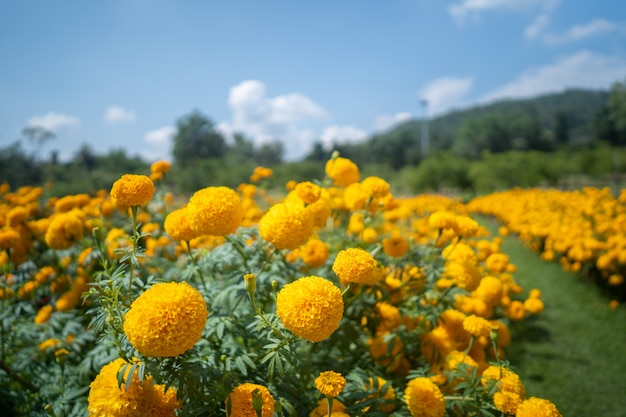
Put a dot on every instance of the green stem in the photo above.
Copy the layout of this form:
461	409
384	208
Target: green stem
19	378
135	240
239	250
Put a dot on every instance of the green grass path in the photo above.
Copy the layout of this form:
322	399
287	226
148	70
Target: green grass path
574	353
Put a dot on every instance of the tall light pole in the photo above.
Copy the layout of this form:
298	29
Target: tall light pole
425	139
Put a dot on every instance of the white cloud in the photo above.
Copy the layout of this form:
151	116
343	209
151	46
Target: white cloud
160	143
384	122
465	9
444	93
261	118
341	135
584	69
116	114
595	27
537	26
54	122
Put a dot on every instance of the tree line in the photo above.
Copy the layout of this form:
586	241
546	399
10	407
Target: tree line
201	155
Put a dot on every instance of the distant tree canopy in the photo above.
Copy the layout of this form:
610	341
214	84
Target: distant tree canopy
610	122
196	138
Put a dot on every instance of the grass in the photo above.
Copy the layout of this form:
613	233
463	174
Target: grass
574	353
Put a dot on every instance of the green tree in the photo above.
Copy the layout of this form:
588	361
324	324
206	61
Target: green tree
196	138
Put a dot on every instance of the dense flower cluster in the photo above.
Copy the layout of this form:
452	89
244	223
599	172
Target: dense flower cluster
337	274
581	229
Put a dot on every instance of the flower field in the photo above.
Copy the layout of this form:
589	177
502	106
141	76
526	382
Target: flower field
333	299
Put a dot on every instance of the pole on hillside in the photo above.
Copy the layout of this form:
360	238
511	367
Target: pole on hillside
425	139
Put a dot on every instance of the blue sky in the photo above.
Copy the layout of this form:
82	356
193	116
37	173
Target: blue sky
120	73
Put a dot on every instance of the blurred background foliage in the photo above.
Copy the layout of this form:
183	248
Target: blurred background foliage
566	140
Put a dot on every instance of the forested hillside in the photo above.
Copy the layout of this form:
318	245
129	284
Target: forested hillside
573	117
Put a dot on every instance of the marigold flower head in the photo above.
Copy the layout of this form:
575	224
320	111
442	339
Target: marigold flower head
477	326
308	192
314	253
44	314
177	226
342	171
286	225
505	380
132	190
9	237
376	186
107	398
330	383
354	265
215	211
537	407
395	246
310	307
64	230
166	320
356	197
17	215
241	398
424	398
161	166
533	305
507	402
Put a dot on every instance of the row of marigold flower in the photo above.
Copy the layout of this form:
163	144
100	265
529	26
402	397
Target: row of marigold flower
584	230
470	336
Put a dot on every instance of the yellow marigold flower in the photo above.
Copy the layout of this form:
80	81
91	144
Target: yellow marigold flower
613	304
376	186
342	171
17	215
383	391
315	253
389	316
308	192
286	225
356	197
215	211
464	274
537	407
107	398
8	238
320	211
356	223
241	398
441	220
310	307
616	279
477	326
177	226
424	398
533	305
132	190
322	408
505	380
516	310
44	314
465	226
291	185
507	402
161	166
64	230
354	265
330	383
369	235
166	320
49	343
395	246
490	290
497	262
